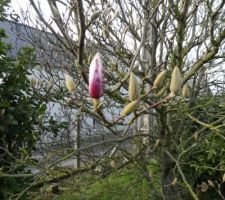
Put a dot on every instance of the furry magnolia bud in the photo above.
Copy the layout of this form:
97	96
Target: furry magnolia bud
70	83
224	178
129	108
176	81
159	79
186	90
96	77
134	88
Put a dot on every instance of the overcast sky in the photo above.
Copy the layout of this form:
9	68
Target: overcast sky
19	6
16	5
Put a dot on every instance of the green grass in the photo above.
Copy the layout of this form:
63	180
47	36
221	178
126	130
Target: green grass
126	184
115	187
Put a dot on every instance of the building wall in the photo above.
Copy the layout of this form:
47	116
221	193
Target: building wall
15	32
19	36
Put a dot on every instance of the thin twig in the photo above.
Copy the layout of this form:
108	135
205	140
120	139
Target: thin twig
183	176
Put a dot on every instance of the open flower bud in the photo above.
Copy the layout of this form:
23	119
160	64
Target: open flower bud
186	90
96	77
70	83
159	79
134	89
129	108
176	81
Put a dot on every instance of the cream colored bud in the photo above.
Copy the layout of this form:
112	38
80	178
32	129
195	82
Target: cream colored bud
116	13
37	83
174	182
129	108
89	58
95	15
70	83
93	9
176	81
159	79
211	183
2	112
186	90
223	177
134	88
196	136
33	82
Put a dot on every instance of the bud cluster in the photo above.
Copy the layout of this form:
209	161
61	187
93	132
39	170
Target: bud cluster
134	95
96	85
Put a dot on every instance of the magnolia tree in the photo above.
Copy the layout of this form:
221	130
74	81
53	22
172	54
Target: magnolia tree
155	87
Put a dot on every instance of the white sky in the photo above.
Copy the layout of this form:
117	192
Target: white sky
17	5
20	6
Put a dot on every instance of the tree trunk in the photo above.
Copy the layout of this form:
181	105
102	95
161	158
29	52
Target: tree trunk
77	143
170	191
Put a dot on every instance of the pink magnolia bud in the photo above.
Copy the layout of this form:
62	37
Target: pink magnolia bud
96	77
